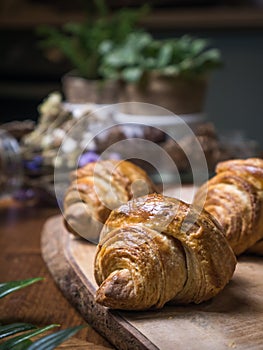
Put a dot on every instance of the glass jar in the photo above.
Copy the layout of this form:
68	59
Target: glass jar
168	147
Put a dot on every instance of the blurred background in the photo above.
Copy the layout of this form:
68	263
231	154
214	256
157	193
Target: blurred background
234	98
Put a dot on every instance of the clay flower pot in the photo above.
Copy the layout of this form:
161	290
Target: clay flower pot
178	95
80	90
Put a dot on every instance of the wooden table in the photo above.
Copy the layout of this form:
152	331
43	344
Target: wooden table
20	258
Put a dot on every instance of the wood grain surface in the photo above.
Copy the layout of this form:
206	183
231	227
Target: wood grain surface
20	258
231	320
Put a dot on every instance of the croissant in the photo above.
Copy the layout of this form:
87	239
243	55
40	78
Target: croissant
257	248
156	249
96	189
234	196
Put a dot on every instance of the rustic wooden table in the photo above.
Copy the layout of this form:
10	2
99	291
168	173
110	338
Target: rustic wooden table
20	258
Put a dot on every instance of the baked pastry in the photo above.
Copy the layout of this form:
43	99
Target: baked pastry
156	249
206	135
234	196
257	248
96	189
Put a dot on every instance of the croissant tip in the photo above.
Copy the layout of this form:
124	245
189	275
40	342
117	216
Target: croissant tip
100	297
116	290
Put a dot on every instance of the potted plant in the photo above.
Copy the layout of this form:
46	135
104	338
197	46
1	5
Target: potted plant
79	43
172	73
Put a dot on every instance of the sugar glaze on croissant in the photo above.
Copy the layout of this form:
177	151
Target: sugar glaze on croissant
157	249
234	196
96	189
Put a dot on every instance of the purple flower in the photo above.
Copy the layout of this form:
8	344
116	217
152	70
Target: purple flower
24	194
34	164
87	157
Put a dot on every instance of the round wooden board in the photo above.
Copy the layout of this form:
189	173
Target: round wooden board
231	320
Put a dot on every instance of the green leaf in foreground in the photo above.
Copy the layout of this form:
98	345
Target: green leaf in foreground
50	341
9	287
23	345
11	343
14	328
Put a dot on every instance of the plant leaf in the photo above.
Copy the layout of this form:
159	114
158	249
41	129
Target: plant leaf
23	345
10	329
9	287
9	344
198	45
132	74
165	55
50	341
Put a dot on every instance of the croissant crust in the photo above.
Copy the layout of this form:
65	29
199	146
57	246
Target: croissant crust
157	249
96	189
234	196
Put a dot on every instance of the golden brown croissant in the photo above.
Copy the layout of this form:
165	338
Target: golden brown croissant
257	248
157	249
235	197
96	189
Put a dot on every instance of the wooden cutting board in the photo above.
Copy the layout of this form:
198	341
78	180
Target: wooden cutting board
231	320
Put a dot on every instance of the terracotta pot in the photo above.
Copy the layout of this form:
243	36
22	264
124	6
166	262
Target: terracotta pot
80	90
180	96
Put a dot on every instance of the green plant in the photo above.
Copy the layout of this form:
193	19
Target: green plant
80	42
24	340
141	53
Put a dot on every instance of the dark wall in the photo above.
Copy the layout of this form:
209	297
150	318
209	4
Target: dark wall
27	76
235	96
